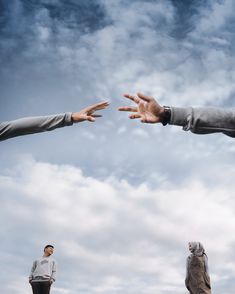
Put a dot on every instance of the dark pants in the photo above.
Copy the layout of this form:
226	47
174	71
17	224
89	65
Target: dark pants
41	287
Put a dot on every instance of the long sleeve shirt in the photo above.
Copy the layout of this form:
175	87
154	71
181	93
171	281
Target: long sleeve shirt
204	120
43	269
31	125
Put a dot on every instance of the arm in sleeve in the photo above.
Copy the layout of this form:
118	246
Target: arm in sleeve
31	125
204	120
32	270
187	268
54	271
187	274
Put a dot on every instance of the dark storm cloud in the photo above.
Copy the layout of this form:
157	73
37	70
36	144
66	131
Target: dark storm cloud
84	16
186	14
19	19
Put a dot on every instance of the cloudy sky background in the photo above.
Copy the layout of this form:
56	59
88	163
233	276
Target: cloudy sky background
119	200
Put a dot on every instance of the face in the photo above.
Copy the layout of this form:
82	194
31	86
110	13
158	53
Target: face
48	251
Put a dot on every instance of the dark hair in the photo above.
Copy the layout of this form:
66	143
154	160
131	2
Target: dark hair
47	246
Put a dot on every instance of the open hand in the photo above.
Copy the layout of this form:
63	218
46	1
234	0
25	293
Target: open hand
147	108
88	113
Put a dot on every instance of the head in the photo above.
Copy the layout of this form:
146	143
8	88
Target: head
48	250
196	248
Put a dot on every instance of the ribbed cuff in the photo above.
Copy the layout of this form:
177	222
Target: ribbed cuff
179	116
68	119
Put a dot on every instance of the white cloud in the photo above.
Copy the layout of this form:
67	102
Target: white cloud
114	230
122	215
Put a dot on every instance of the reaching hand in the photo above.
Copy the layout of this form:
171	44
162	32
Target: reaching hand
147	109
88	112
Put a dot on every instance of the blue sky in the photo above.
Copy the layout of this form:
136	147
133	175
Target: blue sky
119	200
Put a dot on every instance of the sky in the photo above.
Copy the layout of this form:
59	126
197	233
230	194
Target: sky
118	199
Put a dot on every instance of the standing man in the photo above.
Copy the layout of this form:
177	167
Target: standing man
43	272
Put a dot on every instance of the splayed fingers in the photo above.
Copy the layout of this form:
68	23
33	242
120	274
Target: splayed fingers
147	108
88	113
97	106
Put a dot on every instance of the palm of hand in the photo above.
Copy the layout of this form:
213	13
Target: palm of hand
148	112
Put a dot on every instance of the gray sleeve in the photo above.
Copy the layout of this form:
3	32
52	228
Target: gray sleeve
54	270
32	270
187	268
204	120
31	125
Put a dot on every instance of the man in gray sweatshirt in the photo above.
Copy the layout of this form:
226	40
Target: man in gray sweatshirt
31	125
203	120
43	272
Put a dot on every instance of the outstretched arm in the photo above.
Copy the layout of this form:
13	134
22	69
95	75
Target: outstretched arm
203	120
31	125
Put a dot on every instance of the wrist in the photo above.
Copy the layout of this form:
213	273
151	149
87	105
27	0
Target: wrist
76	117
165	115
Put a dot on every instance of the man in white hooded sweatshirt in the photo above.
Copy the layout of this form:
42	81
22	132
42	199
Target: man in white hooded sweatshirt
43	272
